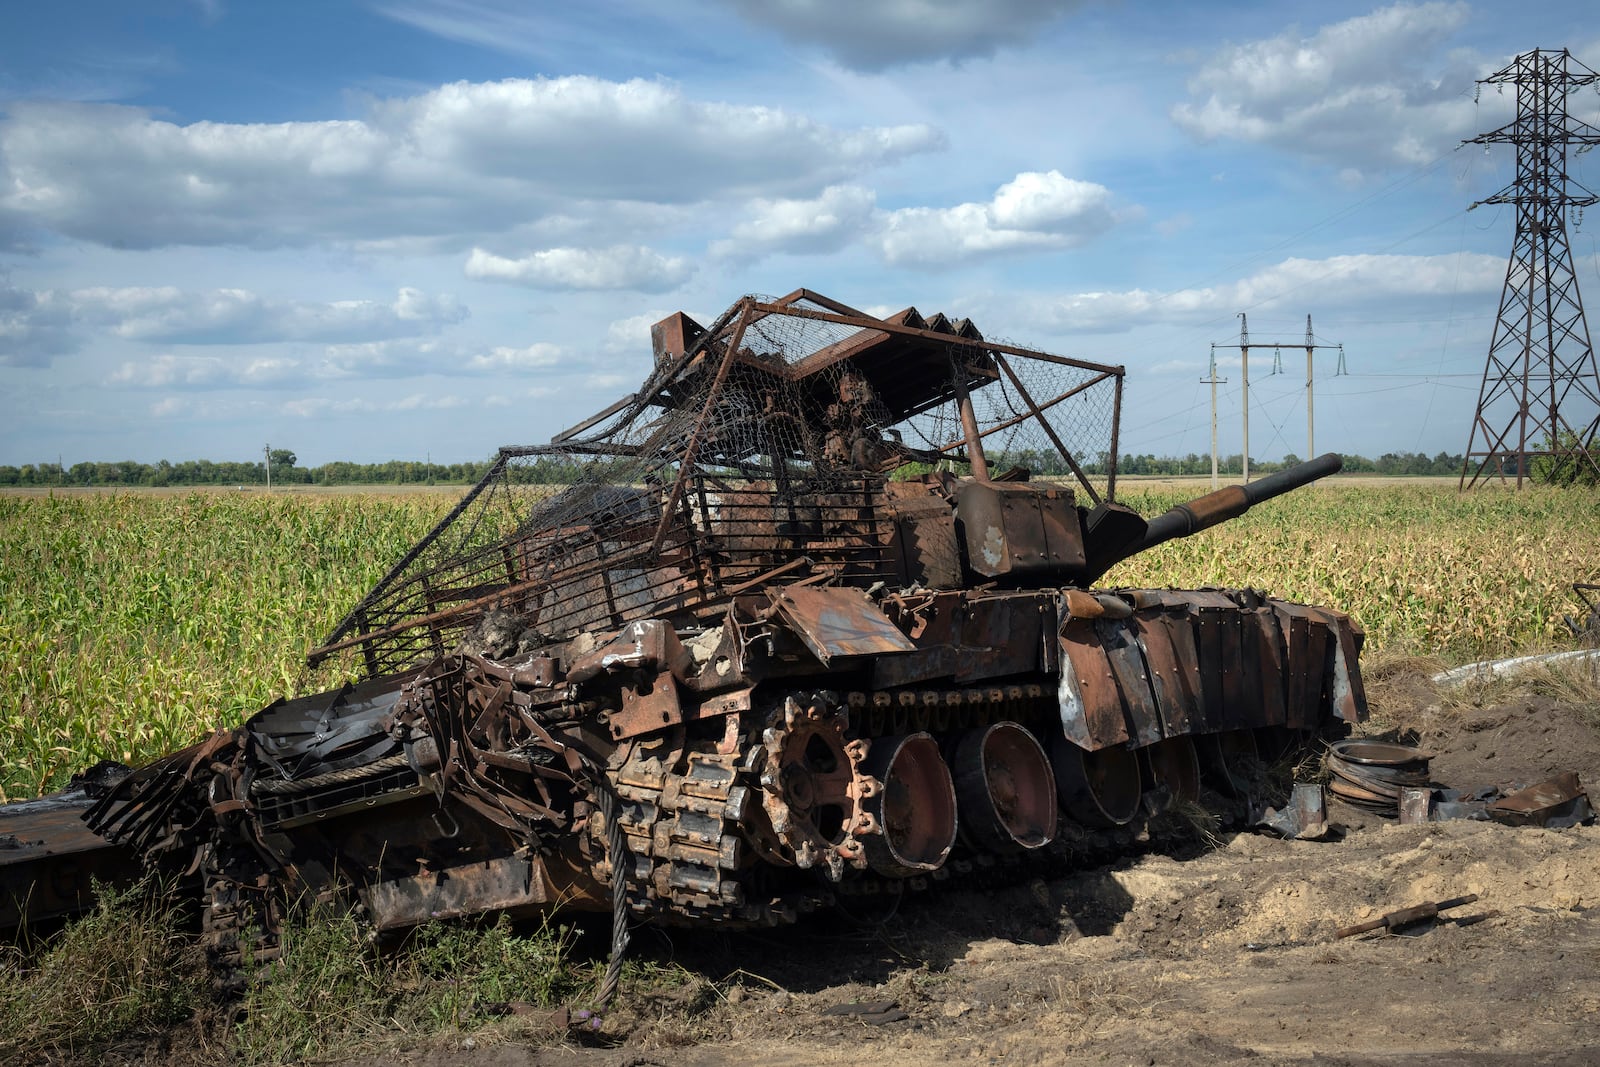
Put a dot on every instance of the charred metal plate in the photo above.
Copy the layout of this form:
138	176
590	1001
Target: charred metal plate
48	857
934	625
1296	674
1133	678
1181	628
1268	665
648	707
1302	680
1343	686
1091	705
1238	690
937	661
1001	635
1208	657
502	882
924	537
1309	650
1539	804
1319	657
1172	677
1018	529
839	623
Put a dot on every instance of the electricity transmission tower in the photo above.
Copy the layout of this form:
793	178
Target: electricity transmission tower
1541	388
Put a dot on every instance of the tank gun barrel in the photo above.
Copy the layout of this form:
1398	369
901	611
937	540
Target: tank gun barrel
1198	514
1204	512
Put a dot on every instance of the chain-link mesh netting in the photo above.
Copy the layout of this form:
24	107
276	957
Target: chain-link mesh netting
757	449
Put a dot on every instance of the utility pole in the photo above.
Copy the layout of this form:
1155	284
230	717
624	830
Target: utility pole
1244	389
1213	381
1245	346
1541	387
1311	422
266	450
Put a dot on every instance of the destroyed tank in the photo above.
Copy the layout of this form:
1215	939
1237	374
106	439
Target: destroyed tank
810	615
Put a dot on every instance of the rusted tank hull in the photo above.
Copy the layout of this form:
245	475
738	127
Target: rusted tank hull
744	797
762	647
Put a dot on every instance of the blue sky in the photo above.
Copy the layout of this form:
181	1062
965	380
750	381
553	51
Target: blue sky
425	228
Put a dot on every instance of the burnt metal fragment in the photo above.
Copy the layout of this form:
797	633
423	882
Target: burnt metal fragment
1561	801
1375	774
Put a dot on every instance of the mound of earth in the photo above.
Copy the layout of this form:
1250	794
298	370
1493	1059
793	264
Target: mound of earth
1227	956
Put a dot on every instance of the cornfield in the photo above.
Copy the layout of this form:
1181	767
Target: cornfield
133	624
1425	570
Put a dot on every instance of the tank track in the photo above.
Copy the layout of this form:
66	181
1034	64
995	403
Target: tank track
702	849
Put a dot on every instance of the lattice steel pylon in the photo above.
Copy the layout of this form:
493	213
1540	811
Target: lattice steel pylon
1541	387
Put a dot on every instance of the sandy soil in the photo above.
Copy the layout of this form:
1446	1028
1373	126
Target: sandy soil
1226	956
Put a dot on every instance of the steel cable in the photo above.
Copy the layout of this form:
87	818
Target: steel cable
617	853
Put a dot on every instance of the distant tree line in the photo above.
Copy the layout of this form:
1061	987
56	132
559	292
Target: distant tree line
555	470
1049	464
208	472
1398	463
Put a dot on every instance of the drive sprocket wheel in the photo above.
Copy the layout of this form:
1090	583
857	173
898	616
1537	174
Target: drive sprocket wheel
813	787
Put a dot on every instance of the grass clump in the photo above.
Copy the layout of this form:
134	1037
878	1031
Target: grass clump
335	993
128	971
462	973
329	988
125	971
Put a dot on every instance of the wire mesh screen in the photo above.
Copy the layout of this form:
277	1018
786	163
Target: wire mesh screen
757	450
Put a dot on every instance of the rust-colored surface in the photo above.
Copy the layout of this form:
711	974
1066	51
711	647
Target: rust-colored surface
1091	702
1536	804
839	622
1167	643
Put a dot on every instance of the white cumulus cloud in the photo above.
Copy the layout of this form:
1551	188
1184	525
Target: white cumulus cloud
170	371
826	223
1033	211
463	159
238	316
1376	90
618	267
36	326
1365	281
631	335
540	354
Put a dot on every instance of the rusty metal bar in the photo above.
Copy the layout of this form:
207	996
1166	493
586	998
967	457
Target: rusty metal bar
1116	443
969	422
469	606
817	298
762	579
686	464
599	416
496	469
1050	431
634	403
